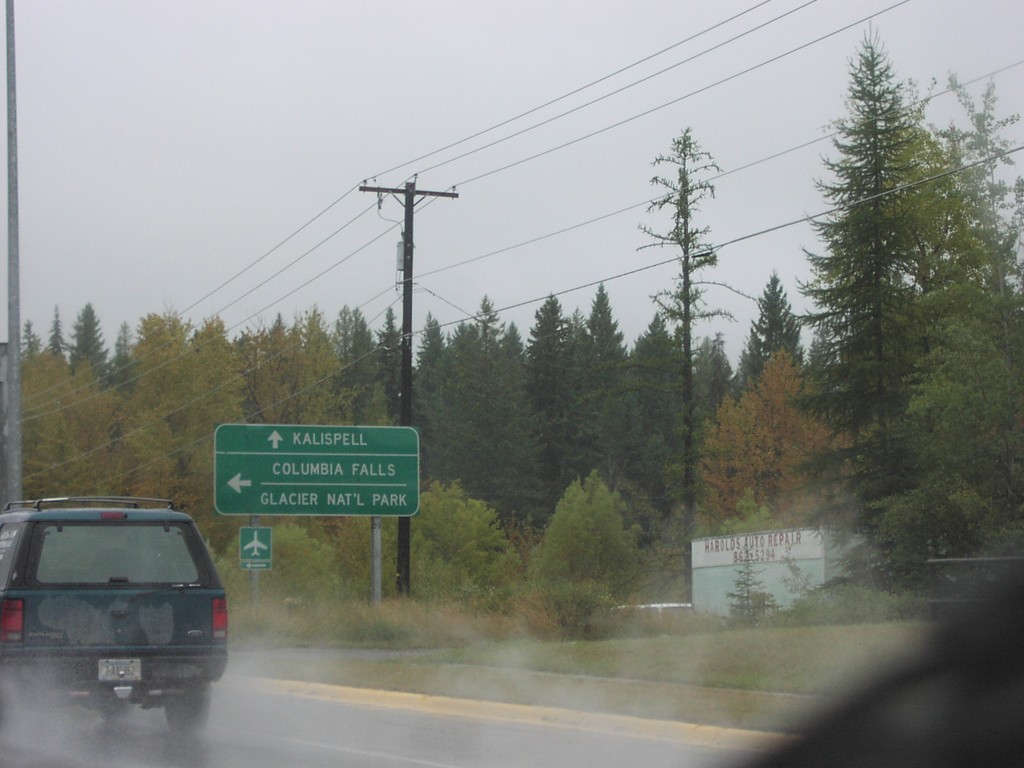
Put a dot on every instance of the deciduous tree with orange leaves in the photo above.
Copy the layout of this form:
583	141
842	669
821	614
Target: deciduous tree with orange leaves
761	444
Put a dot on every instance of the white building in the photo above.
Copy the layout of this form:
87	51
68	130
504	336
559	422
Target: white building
782	561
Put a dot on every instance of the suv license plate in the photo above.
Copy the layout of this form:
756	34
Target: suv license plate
115	670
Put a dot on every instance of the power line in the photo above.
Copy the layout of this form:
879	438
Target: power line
720	175
759	233
607	279
516	245
674	101
299	258
573	92
454	144
617	91
509	248
273	250
171	361
524	160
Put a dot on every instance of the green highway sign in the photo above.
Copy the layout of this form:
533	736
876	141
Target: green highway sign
255	547
286	469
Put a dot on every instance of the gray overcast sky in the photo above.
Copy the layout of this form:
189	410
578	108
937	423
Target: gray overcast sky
164	148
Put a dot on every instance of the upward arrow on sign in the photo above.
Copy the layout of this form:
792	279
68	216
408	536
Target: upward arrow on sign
275	438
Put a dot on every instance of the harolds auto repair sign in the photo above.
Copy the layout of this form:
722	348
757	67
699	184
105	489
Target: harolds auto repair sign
763	547
782	560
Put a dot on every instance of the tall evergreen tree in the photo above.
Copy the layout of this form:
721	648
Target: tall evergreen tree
712	377
121	364
389	339
484	420
775	329
683	191
549	385
863	285
613	441
427	380
655	376
359	375
966	413
56	344
87	343
31	344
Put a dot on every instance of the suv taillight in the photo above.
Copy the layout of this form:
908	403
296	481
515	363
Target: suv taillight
12	620
220	618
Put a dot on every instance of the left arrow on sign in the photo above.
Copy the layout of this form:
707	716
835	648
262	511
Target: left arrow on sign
238	483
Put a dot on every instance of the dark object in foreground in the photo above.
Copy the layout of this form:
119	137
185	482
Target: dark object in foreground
109	602
959	703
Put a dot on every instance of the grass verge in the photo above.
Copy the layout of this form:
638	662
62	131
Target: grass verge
765	678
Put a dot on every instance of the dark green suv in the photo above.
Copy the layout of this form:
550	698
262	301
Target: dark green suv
109	602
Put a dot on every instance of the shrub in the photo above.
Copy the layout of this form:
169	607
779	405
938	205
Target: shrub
458	547
586	542
577	610
305	570
851	604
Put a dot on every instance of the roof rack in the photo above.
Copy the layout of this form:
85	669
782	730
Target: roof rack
134	502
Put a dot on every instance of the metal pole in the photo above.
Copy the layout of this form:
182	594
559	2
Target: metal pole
375	545
3	426
254	574
13	420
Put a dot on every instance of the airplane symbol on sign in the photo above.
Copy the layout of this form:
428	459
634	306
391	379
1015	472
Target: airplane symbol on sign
255	545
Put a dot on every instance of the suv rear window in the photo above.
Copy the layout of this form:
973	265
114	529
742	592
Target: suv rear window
112	553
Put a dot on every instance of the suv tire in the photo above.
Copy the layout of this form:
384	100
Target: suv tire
188	712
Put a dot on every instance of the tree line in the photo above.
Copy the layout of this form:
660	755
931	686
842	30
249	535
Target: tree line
901	421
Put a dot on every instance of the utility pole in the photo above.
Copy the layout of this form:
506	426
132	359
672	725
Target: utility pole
409	195
12	415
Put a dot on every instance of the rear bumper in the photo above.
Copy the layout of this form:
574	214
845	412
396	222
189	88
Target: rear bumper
77	673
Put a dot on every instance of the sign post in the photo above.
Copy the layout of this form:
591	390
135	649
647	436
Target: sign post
266	469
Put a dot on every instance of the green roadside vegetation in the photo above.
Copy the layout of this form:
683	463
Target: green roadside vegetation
666	666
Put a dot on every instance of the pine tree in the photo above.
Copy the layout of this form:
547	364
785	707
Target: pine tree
389	339
31	344
749	601
485	418
427	380
56	344
87	343
549	386
655	376
863	285
682	195
775	329
121	365
712	377
613	443
359	375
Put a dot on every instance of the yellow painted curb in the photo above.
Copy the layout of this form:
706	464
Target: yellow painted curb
660	730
